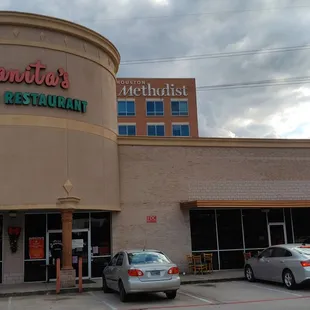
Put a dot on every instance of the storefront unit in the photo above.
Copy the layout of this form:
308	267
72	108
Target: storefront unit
58	124
228	233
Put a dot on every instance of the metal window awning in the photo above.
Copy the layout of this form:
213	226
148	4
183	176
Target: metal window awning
245	204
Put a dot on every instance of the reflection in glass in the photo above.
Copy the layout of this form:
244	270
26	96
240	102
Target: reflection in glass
255	228
203	230
100	233
301	218
229	229
231	259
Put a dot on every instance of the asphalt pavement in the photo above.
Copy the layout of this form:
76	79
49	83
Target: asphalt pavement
239	295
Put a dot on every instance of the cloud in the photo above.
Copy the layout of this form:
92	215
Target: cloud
278	111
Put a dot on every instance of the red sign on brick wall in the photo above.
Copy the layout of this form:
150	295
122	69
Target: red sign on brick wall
151	219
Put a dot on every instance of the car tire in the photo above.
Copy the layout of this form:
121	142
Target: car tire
249	274
171	295
123	296
289	279
105	287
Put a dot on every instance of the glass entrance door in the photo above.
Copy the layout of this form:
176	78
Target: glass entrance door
80	248
276	234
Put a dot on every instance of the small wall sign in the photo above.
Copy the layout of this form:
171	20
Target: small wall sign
151	219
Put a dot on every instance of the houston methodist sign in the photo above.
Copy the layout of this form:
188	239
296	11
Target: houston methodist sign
141	88
35	73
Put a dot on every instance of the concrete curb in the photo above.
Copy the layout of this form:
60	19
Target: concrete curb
92	289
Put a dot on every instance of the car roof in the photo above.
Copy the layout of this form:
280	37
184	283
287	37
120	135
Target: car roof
139	250
287	245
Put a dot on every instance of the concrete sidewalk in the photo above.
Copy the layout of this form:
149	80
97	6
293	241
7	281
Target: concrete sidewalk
27	289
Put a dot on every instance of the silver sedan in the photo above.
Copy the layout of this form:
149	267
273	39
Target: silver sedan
141	271
286	263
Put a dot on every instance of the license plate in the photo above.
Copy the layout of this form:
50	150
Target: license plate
155	273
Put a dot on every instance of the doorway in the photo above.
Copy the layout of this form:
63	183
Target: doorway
276	233
80	248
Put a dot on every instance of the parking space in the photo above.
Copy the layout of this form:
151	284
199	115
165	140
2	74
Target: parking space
230	295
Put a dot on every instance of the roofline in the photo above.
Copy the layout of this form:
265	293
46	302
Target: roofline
64	26
213	142
264	204
151	78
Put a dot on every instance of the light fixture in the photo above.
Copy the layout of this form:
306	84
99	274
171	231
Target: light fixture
12	214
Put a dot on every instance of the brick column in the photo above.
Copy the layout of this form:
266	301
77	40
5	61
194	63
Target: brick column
67	273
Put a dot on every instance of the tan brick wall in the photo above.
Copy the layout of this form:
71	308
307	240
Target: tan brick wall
155	179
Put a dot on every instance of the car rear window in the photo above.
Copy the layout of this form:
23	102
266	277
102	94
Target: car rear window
147	257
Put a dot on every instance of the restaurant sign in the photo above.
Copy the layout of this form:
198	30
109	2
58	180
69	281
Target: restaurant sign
35	74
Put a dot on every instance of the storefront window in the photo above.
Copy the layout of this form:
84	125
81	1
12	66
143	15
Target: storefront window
1	234
288	224
231	259
255	228
203	230
301	223
100	241
35	242
54	221
275	215
80	220
229	229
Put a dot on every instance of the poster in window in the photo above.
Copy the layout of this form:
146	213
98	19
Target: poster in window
36	248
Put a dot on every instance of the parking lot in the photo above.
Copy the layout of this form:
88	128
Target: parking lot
229	295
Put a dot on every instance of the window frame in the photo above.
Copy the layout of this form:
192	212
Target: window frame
154	102
126	124
126	100
180	124
179	113
155	124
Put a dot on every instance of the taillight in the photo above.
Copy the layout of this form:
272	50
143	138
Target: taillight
173	270
135	273
305	263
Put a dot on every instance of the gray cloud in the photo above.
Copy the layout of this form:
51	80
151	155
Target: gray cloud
249	112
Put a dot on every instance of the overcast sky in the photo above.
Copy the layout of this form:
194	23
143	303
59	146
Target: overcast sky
152	29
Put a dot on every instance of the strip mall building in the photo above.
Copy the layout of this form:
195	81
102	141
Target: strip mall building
70	186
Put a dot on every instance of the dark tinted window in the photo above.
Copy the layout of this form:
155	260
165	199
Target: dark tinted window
203	231
120	259
229	229
147	257
281	252
114	260
266	253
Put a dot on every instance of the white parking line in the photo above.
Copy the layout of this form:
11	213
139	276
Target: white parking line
196	297
275	290
103	301
9	303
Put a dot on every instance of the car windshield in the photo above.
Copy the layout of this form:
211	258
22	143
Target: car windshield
147	257
303	250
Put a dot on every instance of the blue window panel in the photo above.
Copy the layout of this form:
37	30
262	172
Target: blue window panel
121	108
151	130
150	108
127	130
183	108
131	130
154	108
180	130
185	130
126	108
179	108
156	130
159	108
122	130
160	130
131	108
175	107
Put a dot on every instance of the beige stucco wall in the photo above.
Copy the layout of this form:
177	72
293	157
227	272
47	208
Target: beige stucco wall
44	147
154	179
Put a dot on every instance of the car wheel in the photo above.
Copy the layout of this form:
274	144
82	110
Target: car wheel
105	287
123	296
249	274
171	295
289	279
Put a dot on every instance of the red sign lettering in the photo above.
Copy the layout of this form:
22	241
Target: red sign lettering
34	74
151	219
